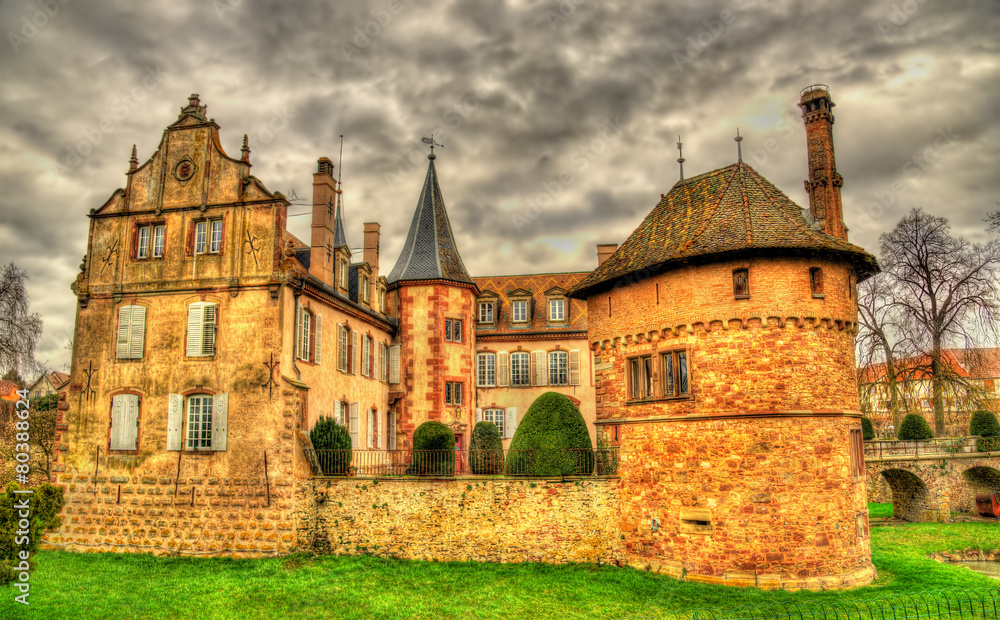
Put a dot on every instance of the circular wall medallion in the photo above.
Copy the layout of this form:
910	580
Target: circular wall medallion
184	169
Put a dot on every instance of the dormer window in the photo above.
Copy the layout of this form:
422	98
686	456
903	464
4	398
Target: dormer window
558	305
487	312
519	311
520	307
741	283
343	274
363	288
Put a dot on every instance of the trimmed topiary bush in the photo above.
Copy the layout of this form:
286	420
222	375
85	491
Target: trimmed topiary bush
552	440
867	430
914	428
486	449
984	424
429	440
44	506
328	435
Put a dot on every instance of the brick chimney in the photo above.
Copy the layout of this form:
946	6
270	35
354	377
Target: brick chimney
604	252
321	255
372	235
824	181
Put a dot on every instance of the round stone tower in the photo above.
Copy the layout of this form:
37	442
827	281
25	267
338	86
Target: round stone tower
723	331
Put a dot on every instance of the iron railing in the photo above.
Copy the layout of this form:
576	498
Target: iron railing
945	446
974	604
534	463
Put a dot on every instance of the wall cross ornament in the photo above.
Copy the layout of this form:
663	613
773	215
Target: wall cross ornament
271	383
250	243
89	393
111	252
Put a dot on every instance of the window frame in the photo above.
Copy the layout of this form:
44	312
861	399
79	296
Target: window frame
203	241
453	330
188	439
487	306
559	302
484	370
554	369
131	332
454	393
516	304
745	294
672	379
501	414
523	369
641	385
816	282
204	305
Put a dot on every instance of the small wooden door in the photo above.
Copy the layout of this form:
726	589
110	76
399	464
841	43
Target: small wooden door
458	454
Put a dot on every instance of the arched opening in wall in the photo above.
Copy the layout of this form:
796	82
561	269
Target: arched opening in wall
910	497
977	480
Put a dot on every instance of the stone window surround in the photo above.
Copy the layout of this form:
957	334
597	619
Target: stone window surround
137	226
138	431
192	242
657	380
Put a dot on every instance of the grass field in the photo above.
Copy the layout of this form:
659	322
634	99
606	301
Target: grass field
84	586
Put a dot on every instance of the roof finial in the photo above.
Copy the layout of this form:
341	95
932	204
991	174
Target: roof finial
680	152
246	149
431	142
340	175
739	148
133	162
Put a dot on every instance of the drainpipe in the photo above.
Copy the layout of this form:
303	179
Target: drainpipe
295	314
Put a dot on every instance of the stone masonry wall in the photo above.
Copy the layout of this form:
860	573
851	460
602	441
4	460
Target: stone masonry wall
479	519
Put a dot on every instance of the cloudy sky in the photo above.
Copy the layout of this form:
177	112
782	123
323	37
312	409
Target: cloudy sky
559	119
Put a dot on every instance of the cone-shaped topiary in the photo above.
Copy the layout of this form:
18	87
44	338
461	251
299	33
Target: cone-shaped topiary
914	427
328	435
486	449
551	440
985	425
867	431
429	441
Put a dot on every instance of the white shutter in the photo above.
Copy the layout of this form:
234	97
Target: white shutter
124	329
479	415
394	364
208	333
574	367
354	425
341	347
357	352
503	372
124	421
510	422
541	371
196	312
369	435
175	418
220	421
365	356
138	329
392	430
378	431
299	315
338	412
318	357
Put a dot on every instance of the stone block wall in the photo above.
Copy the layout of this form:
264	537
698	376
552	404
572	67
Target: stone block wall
478	519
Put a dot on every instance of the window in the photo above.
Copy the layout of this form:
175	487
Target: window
366	352
558	368
383	357
675	374
453	330
150	241
641	377
486	312
496	416
343	274
124	422
199	429
215	243
487	370
206	417
741	283
816	281
520	369
453	393
131	331
557	310
143	251
208	237
159	237
202	317
363	287
302	333
519	311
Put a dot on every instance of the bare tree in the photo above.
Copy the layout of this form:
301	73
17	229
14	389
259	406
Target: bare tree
947	289
19	330
42	416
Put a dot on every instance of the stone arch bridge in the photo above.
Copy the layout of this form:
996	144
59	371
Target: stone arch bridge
927	480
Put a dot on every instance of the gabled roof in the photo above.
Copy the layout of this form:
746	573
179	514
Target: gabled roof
430	252
731	211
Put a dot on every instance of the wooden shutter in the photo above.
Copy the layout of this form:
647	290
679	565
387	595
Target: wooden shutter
574	367
357	352
338	412
299	314
392	430
175	419
196	313
124	329
479	414
394	364
318	345
138	329
509	422
208	331
124	421
503	371
341	347
368	431
541	370
220	421
354	425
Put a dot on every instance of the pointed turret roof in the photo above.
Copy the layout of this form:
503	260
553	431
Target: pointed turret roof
430	252
339	230
731	211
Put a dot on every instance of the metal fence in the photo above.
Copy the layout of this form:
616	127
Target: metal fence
938	604
880	448
531	463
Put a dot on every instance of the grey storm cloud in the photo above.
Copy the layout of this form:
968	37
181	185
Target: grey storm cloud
559	118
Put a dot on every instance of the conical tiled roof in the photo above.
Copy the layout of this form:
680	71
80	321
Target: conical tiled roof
339	230
430	252
727	212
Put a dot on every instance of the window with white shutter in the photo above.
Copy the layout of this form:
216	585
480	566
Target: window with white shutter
394	363
496	416
574	367
511	421
558	368
369	431
131	332
486	366
175	420
202	318
124	422
338	412
303	324
354	426
318	340
355	362
383	358
539	367
342	348
392	430
503	366
366	356
520	369
199	421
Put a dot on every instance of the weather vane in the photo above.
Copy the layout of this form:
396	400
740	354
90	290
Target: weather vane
739	147
680	153
432	144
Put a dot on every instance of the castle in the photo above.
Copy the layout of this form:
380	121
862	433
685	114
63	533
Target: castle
715	346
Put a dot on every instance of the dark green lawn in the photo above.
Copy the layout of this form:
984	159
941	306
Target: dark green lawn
68	585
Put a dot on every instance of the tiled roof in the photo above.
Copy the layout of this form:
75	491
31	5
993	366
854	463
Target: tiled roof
537	284
339	230
430	252
964	363
730	211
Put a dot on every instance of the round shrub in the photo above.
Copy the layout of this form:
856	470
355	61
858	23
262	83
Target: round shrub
486	449
430	440
985	425
914	428
867	431
552	440
44	506
329	436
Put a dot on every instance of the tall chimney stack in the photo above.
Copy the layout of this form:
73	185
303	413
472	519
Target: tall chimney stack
604	252
824	181
372	235
321	255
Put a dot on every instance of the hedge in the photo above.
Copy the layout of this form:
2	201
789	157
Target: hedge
867	430
551	440
984	424
436	436
328	435
914	427
43	506
486	449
